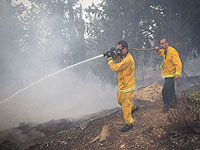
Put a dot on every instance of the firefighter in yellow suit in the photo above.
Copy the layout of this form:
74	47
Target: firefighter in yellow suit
171	71
126	82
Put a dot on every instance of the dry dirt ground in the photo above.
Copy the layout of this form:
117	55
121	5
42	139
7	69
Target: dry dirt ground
151	131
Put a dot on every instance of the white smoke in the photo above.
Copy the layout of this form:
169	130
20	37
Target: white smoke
66	95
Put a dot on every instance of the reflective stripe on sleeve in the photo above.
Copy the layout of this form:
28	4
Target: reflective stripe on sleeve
177	73
110	61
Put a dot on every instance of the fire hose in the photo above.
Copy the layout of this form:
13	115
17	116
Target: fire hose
151	49
197	86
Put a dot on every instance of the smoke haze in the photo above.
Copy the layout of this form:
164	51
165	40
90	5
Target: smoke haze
50	35
66	95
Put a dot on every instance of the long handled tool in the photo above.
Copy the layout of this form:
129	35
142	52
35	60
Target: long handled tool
145	49
151	49
117	52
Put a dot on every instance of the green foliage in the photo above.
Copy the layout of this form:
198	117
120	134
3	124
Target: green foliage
49	33
186	115
56	30
195	97
143	23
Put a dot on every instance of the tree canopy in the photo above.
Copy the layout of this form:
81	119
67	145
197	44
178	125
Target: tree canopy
57	32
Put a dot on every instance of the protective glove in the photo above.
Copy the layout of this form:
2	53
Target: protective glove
113	52
156	49
108	54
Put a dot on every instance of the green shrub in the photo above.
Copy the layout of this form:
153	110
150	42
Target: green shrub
187	112
195	97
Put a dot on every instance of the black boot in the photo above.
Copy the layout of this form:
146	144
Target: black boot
172	105
137	108
165	108
126	127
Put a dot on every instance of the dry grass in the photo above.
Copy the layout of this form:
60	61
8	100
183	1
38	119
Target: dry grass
184	116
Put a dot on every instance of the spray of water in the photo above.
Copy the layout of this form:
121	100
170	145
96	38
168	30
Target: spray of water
48	76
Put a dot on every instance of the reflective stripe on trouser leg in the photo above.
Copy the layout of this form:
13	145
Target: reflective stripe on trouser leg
133	106
126	100
119	99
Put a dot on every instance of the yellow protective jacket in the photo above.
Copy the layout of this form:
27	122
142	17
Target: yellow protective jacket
171	66
125	69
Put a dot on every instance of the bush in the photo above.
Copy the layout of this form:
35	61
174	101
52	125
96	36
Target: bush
187	112
195	97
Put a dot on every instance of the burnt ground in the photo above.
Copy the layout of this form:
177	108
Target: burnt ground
152	130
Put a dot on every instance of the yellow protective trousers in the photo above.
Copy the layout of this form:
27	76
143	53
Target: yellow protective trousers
125	100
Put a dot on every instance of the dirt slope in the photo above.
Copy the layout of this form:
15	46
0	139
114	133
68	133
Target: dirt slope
151	131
